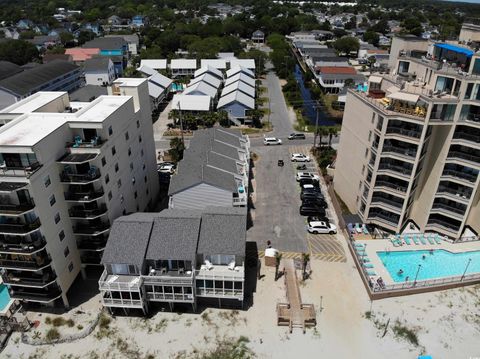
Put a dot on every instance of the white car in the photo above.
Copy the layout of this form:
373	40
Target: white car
166	167
319	227
267	141
300	157
306	175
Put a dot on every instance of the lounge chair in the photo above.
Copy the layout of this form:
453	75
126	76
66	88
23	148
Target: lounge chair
358	228
231	266
429	239
407	240
423	240
368	265
415	239
208	265
351	229
359	245
371	273
366	260
394	242
364	229
437	240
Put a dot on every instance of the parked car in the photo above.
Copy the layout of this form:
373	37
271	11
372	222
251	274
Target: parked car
300	157
308	181
306	175
315	201
267	141
311	195
296	136
308	188
166	167
318	227
312	210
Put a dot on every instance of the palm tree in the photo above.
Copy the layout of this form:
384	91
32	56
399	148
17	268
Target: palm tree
321	131
332	131
278	258
305	260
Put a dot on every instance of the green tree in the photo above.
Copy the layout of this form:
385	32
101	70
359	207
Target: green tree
332	131
177	147
346	44
223	119
412	26
19	52
66	38
26	35
371	37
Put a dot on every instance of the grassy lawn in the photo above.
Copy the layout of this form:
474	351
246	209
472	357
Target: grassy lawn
328	100
266	127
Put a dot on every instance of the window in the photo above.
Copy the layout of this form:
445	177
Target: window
366	152
119	183
107	178
110	195
57	218
135	194
360	185
104	161
121	198
61	235
116	167
131	165
138	124
127	136
369	135
133	180
363	169
52	200
373	117
141	152
145	179
110	130
124	212
66	252
144	166
129	151
140	138
47	181
70	267
114	151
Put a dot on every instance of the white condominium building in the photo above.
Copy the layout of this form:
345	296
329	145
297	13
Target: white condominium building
409	153
67	170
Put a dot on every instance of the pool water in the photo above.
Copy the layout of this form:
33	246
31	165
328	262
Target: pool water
434	264
4	297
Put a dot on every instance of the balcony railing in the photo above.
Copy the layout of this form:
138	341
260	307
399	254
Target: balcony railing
42	262
467	137
23	248
455	192
113	282
80	178
15	209
444	224
471	117
460	174
219	293
449	208
26	172
88	245
393	221
170	297
92	230
240	201
29	281
382	200
399	169
19	228
402	151
464	156
36	296
83	196
87	213
156	279
79	142
392	185
133	303
403	132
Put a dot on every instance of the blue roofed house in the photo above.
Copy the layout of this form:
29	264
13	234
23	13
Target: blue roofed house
25	24
139	21
237	104
114	47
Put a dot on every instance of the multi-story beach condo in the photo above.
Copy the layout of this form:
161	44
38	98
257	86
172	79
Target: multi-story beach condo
409	152
67	170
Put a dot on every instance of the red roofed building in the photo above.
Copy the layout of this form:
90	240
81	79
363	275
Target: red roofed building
332	78
80	55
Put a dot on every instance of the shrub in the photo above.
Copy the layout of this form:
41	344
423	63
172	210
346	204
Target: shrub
79	327
48	320
104	321
52	335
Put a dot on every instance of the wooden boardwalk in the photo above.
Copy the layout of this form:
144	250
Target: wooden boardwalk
295	314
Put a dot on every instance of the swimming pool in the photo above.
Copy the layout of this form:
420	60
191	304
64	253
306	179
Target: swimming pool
4	297
437	263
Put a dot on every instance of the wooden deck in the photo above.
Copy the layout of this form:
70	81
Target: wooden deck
294	314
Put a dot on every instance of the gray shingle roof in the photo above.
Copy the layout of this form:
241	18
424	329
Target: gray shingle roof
223	231
25	82
96	64
174	235
105	43
128	239
8	69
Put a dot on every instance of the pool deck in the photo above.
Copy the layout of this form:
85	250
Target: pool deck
385	245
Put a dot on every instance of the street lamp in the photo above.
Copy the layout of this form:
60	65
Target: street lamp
465	271
416	275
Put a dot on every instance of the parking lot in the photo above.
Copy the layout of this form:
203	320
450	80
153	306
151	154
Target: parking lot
276	209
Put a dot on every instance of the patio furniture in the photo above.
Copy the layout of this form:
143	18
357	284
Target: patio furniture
423	240
436	239
407	240
415	239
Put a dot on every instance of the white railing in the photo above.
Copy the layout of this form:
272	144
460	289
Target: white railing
106	283
123	302
225	293
155	279
170	297
211	275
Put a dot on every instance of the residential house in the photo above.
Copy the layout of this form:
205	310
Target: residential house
183	67
237	104
25	24
115	20
202	88
88	93
258	37
11	33
207	78
52	57
132	41
239	86
153	64
42	42
159	87
219	64
114	47
80	55
333	78
209	70
99	71
139	21
247	63
55	76
8	69
240	77
240	69
191	103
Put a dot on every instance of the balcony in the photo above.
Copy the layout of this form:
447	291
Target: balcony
91	258
78	142
34	281
171	277
470	137
390	219
80	178
89	196
388	201
462	156
221	273
26	172
9	187
91	230
462	175
35	264
391	185
240	201
46	295
24	248
84	213
403	132
405	171
16	209
92	244
408	153
457	193
21	229
77	158
170	297
120	283
443	224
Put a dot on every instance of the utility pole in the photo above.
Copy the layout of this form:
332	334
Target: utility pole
316	127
